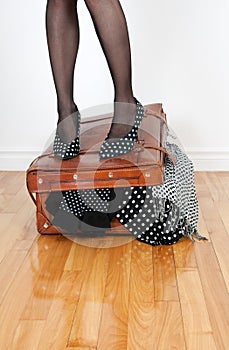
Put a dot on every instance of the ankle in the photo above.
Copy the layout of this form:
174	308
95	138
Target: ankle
65	111
124	99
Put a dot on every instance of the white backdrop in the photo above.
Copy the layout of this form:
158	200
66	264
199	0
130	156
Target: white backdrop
180	57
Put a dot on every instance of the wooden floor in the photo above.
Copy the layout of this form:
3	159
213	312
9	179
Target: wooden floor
57	294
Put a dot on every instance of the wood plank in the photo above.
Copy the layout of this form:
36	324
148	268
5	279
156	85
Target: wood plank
6	222
219	194
4	200
81	348
222	174
184	253
23	244
199	179
214	185
2	174
197	326
75	256
217	231
85	328
144	313
9	268
224	180
12	182
59	320
27	335
28	230
60	317
59	295
18	226
202	227
14	302
78	258
165	283
114	320
201	187
141	298
223	210
215	293
163	327
15	201
169	332
142	277
202	192
106	241
47	258
223	204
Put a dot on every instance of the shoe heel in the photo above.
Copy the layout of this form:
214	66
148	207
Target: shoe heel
69	150
124	144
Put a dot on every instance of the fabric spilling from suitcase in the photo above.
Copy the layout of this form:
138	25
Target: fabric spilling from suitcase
156	215
149	192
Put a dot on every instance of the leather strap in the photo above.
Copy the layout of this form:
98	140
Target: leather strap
158	115
147	111
162	149
31	195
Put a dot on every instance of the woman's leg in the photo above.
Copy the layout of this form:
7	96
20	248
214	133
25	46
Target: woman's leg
111	29
62	28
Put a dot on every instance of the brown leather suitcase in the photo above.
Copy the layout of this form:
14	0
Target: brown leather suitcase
141	167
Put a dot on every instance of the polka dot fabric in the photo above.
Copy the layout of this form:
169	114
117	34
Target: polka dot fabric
150	220
80	201
156	215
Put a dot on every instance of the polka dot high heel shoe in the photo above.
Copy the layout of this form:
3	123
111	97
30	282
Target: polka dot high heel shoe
68	150
122	145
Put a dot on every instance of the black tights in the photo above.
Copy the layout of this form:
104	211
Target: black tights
62	28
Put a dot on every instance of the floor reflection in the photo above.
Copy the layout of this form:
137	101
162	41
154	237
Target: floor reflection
95	295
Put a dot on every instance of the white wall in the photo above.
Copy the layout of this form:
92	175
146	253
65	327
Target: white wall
179	55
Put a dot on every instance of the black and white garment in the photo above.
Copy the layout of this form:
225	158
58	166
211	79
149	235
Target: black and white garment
155	215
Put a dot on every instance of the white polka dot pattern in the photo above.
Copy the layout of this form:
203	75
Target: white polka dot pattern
80	201
153	214
111	149
67	150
